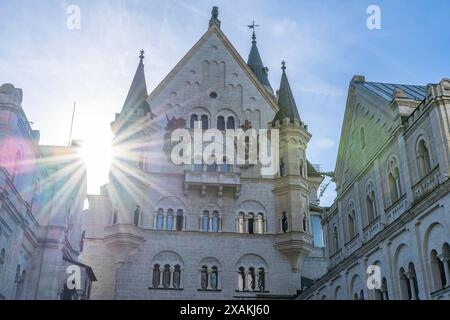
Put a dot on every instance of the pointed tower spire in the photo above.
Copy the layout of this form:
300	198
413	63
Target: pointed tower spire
137	94
255	63
286	101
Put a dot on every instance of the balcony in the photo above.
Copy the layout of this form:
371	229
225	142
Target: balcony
427	184
212	176
396	209
373	228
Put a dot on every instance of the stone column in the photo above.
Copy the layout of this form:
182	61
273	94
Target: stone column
208	277
161	274
172	269
410	278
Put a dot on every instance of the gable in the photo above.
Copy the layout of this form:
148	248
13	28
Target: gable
213	66
368	124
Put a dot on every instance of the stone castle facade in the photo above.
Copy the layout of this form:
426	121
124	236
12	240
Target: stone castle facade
222	230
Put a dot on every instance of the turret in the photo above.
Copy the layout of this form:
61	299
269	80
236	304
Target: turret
291	189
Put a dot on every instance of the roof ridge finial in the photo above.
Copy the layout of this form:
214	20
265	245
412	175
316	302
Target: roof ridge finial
253	26
214	17
142	56
283	66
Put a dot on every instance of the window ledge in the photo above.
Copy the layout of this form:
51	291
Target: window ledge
249	291
210	290
168	289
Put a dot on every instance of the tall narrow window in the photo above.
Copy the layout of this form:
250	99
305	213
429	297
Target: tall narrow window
180	220
423	158
176	276
413	277
247	148
83	235
305	223
215	221
251	279
137	215
204	278
204	120
156	276
221	123
166	276
395	189
282	168
352	224
214	278
437	271
301	169
241	279
230	122
317	231
284	222
261	279
160	219
170	219
405	285
372	213
2	257
335	239
251	220
362	138
115	216
194	119
384	289
16	167
205	221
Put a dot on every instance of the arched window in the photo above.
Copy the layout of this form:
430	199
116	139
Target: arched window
180	220
261	279
355	296
405	285
241	222
214	278
395	189
137	215
423	158
284	222
413	277
166	276
301	168
335	239
205	221
2	257
115	216
372	213
156	276
204	278
194	119
204	119
362	138
361	295
251	279
352	224
220	123
83	235
230	123
261	223
215	221
177	276
282	168
170	219
160	219
384	289
437	271
305	223
251	222
20	283
241	279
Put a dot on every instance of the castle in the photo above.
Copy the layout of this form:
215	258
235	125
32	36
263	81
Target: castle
226	230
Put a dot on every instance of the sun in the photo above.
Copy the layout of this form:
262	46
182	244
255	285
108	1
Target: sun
96	154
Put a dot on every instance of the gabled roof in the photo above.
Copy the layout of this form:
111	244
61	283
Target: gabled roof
386	90
256	65
286	101
137	94
214	29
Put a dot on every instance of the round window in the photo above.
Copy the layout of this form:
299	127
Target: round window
213	95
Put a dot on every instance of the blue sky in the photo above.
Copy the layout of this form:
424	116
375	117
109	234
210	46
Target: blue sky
324	43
